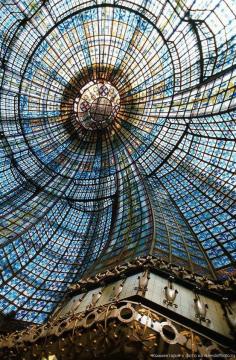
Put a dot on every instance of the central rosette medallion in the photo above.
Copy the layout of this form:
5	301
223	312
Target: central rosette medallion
97	105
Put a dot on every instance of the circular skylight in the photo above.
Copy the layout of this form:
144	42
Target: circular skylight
97	106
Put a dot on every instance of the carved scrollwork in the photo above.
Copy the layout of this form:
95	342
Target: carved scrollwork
143	282
117	290
150	262
95	298
131	326
200	309
170	294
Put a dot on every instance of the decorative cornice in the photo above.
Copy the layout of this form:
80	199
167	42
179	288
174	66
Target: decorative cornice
225	288
111	329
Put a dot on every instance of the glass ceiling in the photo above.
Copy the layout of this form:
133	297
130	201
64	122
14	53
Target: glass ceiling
117	140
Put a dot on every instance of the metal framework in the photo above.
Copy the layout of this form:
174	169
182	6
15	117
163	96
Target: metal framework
158	179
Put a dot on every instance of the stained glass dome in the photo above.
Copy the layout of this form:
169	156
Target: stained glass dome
117	139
